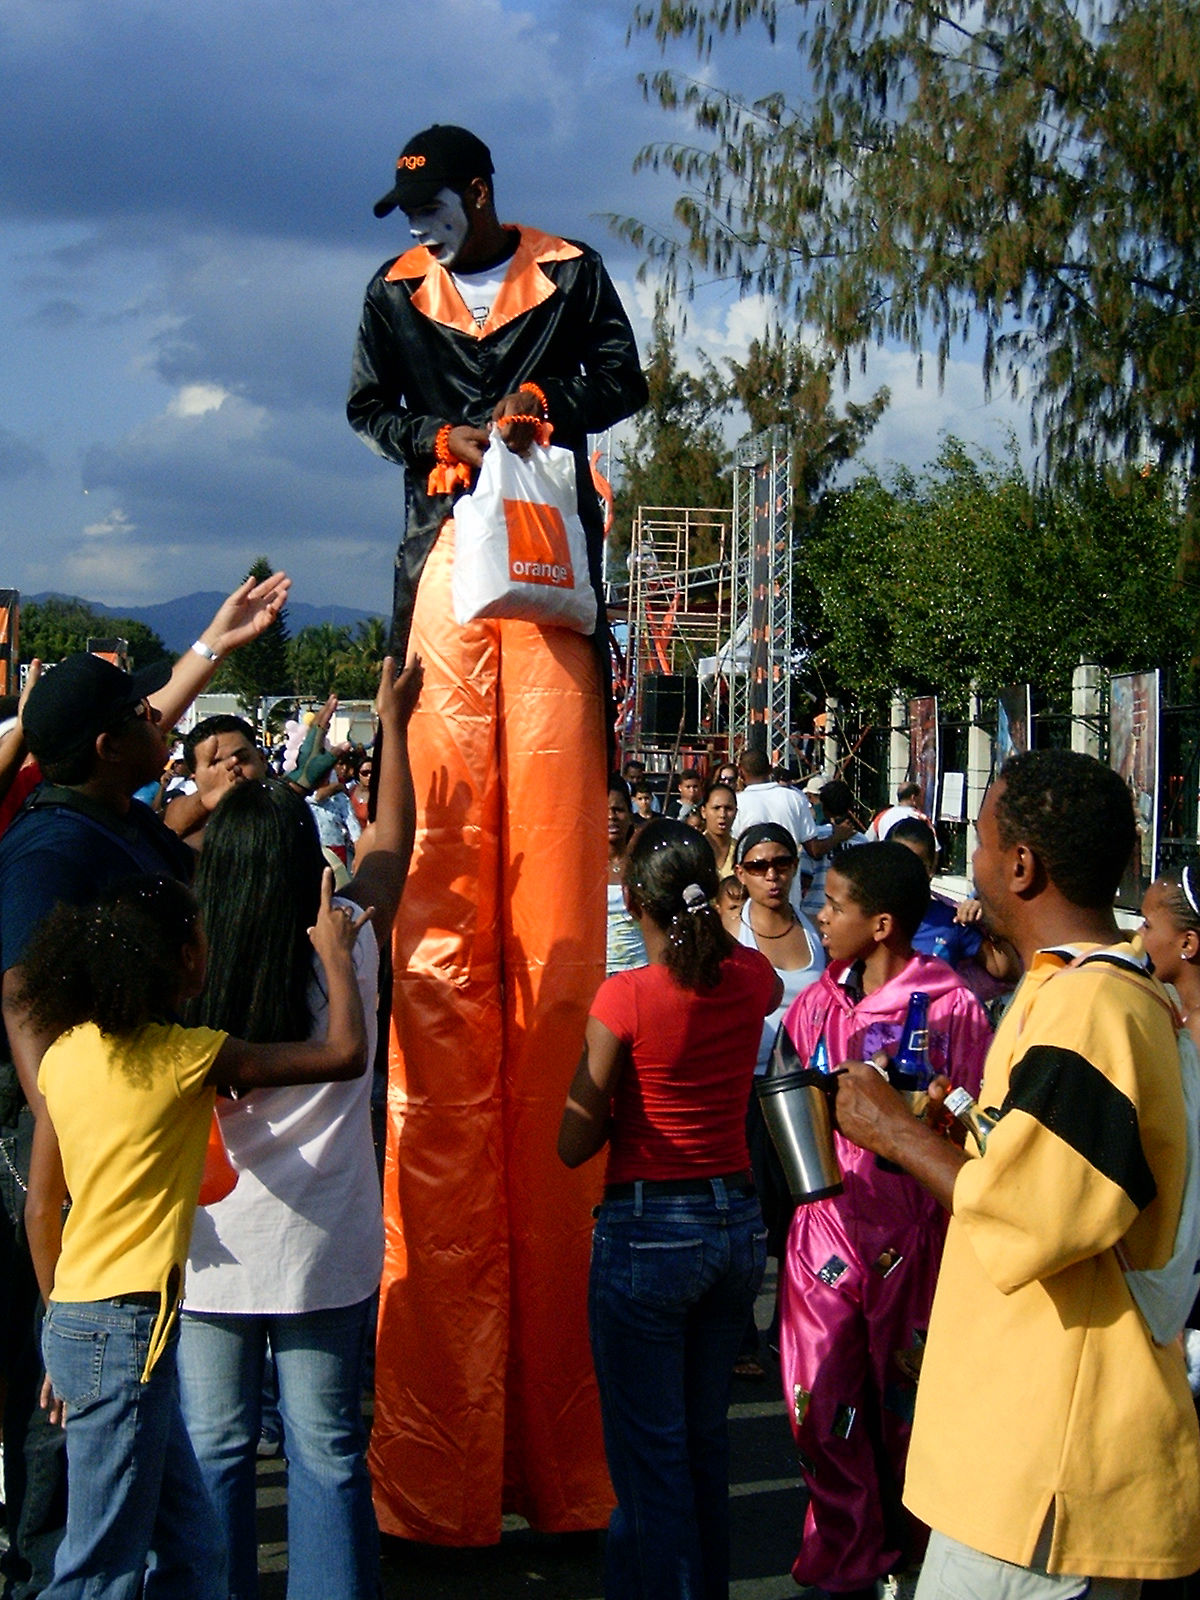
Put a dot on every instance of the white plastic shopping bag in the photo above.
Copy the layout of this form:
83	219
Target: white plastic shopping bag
520	551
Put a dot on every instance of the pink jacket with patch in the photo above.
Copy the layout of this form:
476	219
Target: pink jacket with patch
959	1036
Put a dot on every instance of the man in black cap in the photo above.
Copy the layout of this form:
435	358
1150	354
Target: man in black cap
485	1396
456	330
97	734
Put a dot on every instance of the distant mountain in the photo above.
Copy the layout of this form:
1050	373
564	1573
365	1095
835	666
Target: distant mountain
178	622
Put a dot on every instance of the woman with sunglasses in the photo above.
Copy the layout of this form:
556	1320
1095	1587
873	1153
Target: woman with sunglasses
765	861
360	794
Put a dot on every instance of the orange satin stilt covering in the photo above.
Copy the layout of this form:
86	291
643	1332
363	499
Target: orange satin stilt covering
485	1398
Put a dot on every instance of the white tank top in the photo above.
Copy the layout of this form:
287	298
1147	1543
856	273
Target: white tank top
795	981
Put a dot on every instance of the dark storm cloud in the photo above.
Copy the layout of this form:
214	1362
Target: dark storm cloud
283	120
238	470
58	313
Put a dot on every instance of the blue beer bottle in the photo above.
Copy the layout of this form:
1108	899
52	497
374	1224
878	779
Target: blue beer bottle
910	1070
910	1067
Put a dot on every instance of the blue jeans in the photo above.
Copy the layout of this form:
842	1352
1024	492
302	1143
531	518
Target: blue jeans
333	1540
673	1281
137	1510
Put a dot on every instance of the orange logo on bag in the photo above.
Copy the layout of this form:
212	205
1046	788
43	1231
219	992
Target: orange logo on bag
413	163
537	544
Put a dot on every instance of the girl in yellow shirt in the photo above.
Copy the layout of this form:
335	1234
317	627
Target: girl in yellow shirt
129	1099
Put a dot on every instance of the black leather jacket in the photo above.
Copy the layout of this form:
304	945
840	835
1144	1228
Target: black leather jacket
420	362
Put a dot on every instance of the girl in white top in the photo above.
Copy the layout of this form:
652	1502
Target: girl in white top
292	1257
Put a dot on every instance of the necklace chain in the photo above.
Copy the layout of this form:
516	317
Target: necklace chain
782	935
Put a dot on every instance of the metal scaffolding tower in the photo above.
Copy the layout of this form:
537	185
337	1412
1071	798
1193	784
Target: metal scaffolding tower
678	612
762	592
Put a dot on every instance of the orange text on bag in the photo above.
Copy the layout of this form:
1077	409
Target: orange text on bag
538	551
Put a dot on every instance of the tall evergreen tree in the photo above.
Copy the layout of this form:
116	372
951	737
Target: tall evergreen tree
259	668
784	382
678	456
928	167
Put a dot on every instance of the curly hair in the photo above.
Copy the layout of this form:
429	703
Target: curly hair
117	961
672	878
1077	817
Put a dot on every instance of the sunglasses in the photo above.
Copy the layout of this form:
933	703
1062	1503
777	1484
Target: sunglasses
780	865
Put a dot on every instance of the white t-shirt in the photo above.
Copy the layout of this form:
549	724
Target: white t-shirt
303	1228
775	802
795	980
479	290
887	820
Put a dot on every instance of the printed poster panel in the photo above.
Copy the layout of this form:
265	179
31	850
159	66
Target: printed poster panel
923	749
10	617
1133	752
759	695
1014	719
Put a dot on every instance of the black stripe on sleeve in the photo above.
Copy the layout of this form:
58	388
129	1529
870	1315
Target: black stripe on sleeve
1076	1102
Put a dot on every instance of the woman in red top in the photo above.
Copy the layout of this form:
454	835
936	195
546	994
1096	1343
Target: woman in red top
680	1246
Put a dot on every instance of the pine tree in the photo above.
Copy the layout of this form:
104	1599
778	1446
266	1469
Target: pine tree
784	382
1028	169
678	456
260	668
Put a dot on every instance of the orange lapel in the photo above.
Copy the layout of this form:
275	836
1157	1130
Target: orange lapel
525	284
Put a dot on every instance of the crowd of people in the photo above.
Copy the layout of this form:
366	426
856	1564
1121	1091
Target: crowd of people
162	1035
980	1346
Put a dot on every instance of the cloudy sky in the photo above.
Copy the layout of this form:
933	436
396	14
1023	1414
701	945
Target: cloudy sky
186	232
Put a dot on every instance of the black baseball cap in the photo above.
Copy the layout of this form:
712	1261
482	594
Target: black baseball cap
72	704
442	157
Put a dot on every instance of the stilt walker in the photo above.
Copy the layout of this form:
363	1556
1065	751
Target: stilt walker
485	1396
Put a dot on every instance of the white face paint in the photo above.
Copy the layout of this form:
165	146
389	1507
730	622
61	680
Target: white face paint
441	226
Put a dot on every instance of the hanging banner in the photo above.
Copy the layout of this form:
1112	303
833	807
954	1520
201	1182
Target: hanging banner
10	646
1014	721
759	695
1133	716
924	754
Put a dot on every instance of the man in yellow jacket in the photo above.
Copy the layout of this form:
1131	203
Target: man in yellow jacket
1052	1434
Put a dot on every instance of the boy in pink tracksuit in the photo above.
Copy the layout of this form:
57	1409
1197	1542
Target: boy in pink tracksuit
860	1268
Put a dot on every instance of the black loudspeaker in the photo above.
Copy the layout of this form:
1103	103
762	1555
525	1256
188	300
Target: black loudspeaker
666	699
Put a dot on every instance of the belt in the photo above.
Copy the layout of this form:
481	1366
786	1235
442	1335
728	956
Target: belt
737	1183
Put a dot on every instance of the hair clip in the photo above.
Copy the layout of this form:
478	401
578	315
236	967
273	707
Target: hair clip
694	898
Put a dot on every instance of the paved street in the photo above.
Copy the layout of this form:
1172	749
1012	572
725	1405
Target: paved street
766	1507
